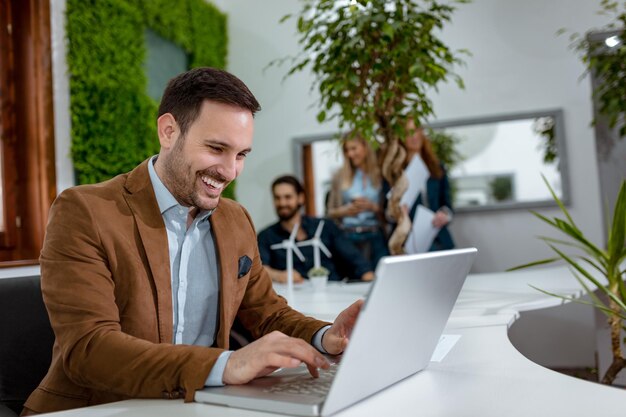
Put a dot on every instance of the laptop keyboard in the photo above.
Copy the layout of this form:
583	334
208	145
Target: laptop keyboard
309	386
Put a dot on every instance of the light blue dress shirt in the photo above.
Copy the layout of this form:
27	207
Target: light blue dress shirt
195	275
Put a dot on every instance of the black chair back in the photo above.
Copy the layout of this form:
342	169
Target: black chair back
26	340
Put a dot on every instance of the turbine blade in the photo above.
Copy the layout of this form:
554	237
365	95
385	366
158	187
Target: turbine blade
318	231
298	253
324	249
294	231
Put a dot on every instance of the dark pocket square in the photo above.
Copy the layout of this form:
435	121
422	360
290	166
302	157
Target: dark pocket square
245	264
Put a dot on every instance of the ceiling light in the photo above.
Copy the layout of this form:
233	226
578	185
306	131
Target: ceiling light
612	41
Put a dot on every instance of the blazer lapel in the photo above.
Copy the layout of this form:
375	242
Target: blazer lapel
143	204
227	254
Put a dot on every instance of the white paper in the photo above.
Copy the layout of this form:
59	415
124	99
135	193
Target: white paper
445	345
417	174
422	231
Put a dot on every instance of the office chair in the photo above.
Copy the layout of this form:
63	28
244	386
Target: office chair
26	340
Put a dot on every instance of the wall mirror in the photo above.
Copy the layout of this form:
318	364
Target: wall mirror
502	160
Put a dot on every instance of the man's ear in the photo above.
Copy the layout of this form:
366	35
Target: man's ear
301	199
168	130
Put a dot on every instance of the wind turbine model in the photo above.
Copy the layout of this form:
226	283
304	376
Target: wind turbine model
290	246
317	244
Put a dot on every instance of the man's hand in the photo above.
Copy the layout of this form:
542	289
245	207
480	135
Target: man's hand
282	277
337	337
272	351
368	276
278	275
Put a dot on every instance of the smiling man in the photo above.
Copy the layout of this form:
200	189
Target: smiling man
144	274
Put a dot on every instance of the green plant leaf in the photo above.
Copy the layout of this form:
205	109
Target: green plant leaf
535	263
608	312
591	278
558	201
595	299
576	245
593	264
544	218
561	242
618	231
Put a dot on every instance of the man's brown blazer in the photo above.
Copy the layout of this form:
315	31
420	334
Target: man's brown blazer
105	277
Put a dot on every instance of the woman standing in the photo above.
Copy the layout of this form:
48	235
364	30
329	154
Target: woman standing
436	195
355	199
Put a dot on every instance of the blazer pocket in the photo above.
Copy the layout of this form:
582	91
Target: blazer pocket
245	263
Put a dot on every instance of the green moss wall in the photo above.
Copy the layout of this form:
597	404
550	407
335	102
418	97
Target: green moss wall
113	118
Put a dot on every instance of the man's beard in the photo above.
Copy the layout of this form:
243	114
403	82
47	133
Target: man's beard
283	216
182	182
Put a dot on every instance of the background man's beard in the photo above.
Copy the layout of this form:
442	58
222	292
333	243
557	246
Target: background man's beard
288	215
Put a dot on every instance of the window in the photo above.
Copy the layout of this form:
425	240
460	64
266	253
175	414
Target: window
27	170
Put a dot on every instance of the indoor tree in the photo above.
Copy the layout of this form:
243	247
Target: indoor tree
375	62
608	61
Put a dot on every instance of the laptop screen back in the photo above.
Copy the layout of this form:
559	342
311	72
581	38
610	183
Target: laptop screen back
400	324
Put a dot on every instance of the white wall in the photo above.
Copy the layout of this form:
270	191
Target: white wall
61	97
256	38
518	65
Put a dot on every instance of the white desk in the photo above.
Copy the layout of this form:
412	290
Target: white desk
483	374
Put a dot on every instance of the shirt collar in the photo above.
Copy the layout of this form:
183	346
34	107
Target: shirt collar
164	198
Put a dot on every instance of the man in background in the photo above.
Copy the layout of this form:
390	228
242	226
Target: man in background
346	259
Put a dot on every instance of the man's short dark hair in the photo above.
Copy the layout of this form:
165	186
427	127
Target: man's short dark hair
185	93
291	180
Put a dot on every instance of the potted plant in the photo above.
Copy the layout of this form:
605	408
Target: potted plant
375	62
319	271
318	276
591	260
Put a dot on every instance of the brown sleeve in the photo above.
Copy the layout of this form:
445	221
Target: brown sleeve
79	292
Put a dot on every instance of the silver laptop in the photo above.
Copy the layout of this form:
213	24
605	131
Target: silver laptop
403	317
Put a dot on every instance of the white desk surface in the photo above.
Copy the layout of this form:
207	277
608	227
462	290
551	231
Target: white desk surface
483	374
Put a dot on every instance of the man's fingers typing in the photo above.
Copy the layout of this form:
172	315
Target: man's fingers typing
271	352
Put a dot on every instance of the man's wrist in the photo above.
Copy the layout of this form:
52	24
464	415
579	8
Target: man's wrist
318	338
216	376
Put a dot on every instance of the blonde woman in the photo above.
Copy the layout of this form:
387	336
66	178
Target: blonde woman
355	198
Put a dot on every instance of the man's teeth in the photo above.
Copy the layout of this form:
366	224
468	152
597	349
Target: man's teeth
212	183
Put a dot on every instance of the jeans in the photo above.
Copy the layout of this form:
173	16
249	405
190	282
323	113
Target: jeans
372	245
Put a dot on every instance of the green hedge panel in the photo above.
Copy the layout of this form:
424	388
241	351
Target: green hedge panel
113	118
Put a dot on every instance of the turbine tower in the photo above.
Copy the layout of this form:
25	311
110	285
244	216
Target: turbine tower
290	246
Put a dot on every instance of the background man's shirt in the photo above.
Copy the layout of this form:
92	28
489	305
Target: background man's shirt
346	259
